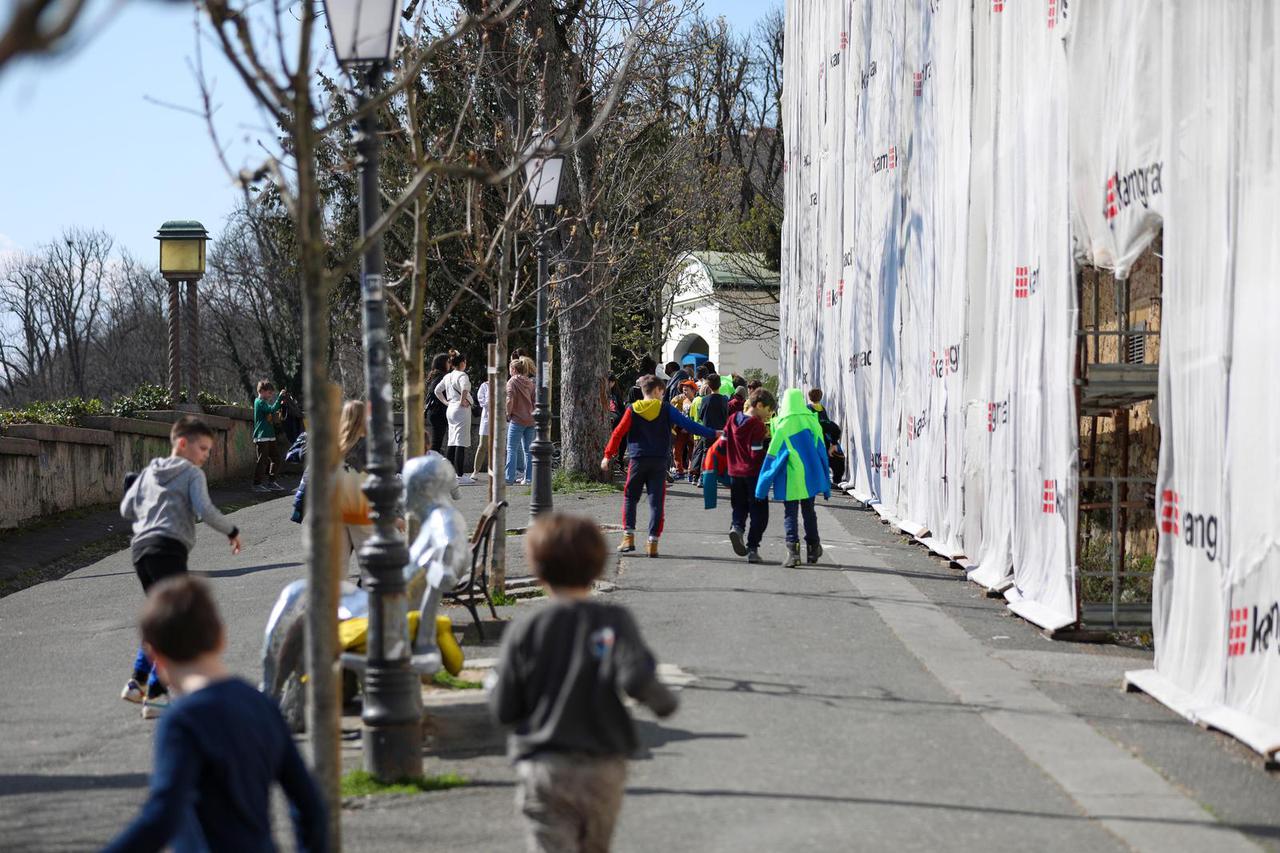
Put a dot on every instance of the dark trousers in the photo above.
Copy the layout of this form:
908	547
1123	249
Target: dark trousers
837	469
267	461
791	529
648	472
696	457
743	503
151	569
457	457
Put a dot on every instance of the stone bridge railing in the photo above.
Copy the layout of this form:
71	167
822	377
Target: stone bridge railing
46	469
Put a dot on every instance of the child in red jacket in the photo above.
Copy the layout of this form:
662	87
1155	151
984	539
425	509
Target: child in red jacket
646	429
747	442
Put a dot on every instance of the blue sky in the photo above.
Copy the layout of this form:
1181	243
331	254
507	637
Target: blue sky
87	138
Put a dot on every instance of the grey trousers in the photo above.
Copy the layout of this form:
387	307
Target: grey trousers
570	802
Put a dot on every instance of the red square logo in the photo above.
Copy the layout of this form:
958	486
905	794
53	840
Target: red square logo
997	5
1169	512
1237	631
844	40
1049	498
1053	13
1021	283
1111	211
893	157
991	417
917	80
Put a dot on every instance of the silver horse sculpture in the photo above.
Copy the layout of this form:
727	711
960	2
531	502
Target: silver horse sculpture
438	558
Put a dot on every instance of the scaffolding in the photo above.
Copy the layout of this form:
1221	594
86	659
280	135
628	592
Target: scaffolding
1116	383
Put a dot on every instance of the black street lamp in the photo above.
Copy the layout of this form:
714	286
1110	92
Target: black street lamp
182	244
364	37
542	169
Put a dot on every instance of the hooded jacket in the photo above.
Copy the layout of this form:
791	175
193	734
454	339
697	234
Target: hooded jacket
796	465
167	499
646	427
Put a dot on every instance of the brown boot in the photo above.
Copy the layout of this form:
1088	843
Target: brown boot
651	548
628	543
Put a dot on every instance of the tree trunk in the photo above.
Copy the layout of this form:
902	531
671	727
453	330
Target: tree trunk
322	521
498	426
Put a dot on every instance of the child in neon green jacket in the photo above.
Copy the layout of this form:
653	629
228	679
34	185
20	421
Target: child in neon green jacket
796	468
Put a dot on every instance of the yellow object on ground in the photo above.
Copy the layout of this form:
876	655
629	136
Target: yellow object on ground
353	636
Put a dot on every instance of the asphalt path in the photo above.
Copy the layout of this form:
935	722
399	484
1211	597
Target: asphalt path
876	701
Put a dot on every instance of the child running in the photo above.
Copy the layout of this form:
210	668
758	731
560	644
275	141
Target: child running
164	503
747	438
558	686
646	428
796	467
220	747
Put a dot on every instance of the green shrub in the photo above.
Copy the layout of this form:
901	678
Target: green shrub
57	412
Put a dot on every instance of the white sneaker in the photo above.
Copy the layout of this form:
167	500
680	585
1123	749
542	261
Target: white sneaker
133	692
261	487
154	708
466	480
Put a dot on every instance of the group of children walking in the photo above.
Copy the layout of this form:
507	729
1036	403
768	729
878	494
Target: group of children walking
766	447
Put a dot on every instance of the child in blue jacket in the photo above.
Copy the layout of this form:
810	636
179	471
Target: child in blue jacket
797	468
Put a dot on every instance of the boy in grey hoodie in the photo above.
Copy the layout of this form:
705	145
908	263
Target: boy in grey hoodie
164	503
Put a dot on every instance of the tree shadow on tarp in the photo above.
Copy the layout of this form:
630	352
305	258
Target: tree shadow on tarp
32	783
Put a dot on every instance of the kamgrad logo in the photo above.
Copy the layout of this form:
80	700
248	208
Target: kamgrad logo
1195	530
887	160
884	464
835	294
1049	498
945	364
1136	186
918	79
916	425
1026	281
1258	625
997	415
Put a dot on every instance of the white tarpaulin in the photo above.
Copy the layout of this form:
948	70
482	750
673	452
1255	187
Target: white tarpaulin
954	387
945	164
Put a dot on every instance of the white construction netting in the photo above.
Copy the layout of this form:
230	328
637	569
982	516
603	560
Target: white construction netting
947	164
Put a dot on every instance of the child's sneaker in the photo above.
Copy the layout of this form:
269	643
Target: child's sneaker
628	543
651	548
735	539
274	486
813	552
260	487
133	692
154	706
466	480
753	556
793	555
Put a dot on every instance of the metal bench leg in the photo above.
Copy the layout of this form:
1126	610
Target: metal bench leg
475	617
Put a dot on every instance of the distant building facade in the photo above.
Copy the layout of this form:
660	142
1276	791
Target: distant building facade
724	306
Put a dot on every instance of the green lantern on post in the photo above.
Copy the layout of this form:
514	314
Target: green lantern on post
182	258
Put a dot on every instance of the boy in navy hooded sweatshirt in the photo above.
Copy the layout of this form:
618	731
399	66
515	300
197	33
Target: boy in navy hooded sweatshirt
646	428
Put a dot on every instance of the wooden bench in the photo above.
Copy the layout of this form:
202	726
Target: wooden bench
474	588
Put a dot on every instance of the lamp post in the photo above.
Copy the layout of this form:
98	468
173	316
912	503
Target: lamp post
543	169
364	38
182	243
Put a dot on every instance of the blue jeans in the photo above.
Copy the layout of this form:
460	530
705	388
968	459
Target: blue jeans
519	461
791	529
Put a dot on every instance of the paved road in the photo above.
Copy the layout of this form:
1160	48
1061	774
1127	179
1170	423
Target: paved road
873	702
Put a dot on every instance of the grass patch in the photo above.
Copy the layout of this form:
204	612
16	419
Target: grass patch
360	783
501	598
571	481
444	679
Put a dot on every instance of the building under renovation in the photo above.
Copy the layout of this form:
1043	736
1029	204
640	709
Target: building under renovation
1030	254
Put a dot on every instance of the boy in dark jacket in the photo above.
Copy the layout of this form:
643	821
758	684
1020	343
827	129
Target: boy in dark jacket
220	748
646	429
747	438
558	686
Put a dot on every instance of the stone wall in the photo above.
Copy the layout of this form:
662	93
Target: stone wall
47	469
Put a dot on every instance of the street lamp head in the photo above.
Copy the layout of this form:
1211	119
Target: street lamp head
364	31
182	249
542	172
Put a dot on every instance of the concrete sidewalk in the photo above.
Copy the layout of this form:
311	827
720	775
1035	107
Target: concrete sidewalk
875	701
